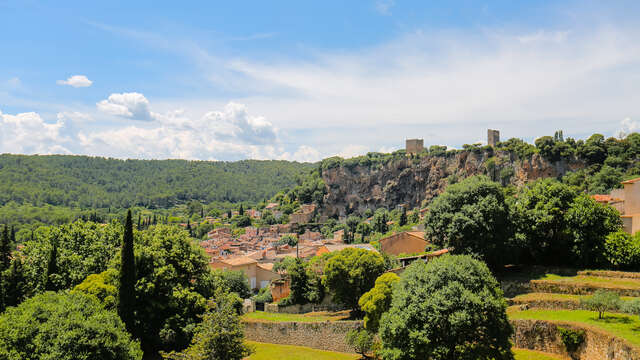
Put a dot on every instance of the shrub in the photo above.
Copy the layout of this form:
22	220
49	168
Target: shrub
361	340
572	339
377	301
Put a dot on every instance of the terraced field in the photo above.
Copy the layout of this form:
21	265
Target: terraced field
262	316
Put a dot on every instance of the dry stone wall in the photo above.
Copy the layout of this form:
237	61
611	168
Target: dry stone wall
544	336
329	335
557	287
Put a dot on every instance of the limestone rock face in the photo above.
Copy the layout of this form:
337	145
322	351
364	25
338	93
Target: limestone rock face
414	182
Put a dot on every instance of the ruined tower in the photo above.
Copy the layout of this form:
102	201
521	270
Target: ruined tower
414	146
493	137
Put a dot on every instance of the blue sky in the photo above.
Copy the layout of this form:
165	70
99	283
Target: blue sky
305	80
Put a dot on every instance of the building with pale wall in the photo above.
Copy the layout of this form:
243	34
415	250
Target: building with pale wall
493	137
259	275
406	242
627	202
414	146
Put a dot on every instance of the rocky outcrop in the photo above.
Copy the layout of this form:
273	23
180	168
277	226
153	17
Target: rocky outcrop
415	182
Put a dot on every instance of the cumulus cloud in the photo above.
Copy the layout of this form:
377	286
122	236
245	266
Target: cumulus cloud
234	121
353	151
27	133
304	153
76	81
129	105
628	126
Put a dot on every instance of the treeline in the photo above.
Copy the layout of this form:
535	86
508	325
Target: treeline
94	182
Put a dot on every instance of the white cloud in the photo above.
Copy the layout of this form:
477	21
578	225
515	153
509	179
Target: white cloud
353	151
129	105
76	81
27	133
384	6
628	126
304	153
234	121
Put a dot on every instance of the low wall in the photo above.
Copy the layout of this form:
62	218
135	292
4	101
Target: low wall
611	273
328	335
559	304
543	336
557	287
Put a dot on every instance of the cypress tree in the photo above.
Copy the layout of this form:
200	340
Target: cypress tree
403	217
13	236
15	284
52	266
138	221
5	249
241	211
126	291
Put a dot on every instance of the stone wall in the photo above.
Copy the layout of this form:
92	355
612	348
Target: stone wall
329	335
543	336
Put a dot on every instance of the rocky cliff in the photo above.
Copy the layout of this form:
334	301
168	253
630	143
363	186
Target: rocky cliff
352	187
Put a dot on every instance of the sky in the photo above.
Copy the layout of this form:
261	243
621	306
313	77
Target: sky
304	80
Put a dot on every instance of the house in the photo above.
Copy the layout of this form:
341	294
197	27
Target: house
271	206
406	242
260	275
627	202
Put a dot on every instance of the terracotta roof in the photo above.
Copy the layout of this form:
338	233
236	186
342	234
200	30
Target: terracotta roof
240	260
631	181
601	198
266	266
419	234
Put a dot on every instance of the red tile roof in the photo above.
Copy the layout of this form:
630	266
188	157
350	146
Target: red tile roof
631	181
601	198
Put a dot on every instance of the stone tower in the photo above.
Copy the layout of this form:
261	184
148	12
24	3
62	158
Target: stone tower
493	137
414	146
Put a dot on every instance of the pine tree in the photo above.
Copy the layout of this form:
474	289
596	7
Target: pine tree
52	266
126	291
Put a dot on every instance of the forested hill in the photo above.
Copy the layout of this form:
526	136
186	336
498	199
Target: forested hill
94	182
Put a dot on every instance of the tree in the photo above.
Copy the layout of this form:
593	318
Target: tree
241	210
291	241
5	249
403	217
299	283
64	326
220	336
380	219
622	250
173	282
450	308
601	301
52	268
14	285
103	286
473	218
127	277
590	223
350	273
350	229
364	229
232	281
361	341
377	301
538	212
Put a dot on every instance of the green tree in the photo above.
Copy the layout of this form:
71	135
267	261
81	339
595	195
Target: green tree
403	217
539	211
103	286
127	277
380	219
291	241
52	268
590	223
64	326
13	284
473	218
297	272
232	281
451	308
377	301
350	273
220	336
361	341
241	210
5	249
622	250
350	228
601	301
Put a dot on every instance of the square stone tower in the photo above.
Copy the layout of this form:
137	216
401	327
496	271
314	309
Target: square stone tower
414	146
493	137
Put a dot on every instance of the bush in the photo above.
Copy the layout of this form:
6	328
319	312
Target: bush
622	251
377	301
64	326
361	340
572	339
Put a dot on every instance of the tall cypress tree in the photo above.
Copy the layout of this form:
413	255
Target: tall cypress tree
126	291
52	266
5	249
241	211
15	283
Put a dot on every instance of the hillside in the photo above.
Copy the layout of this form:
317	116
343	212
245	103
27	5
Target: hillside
94	182
595	165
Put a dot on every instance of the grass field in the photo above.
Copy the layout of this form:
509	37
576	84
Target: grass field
624	283
522	354
623	326
555	297
309	317
289	352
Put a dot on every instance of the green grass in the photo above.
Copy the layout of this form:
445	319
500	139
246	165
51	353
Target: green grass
608	282
262	316
623	326
555	297
289	352
522	354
